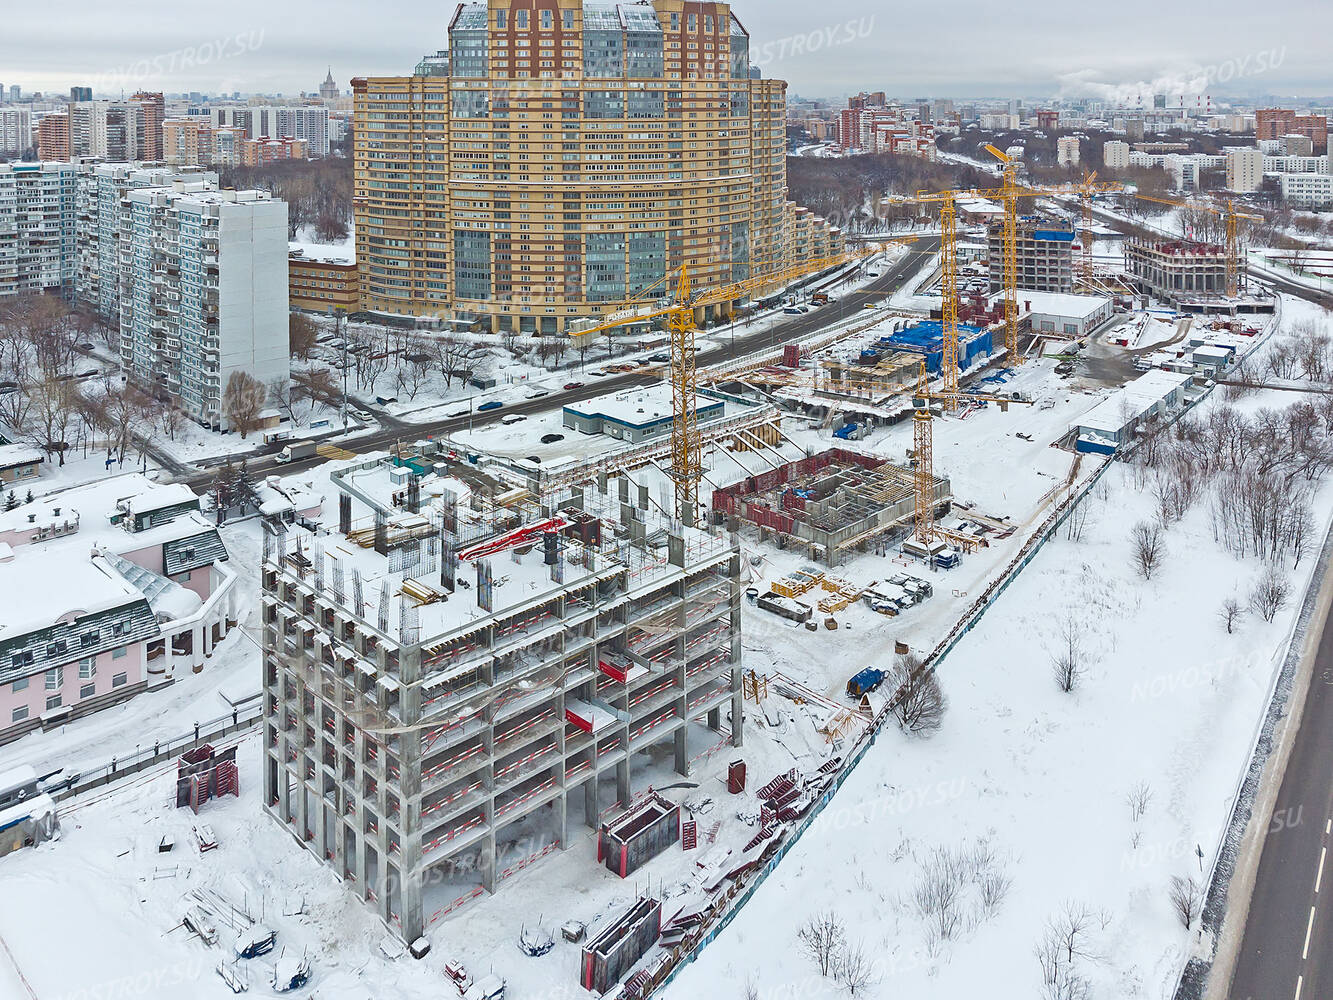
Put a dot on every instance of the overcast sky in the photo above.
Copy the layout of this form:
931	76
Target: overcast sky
958	48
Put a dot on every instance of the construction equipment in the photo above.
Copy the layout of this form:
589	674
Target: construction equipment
1232	219
1085	191
925	528
686	449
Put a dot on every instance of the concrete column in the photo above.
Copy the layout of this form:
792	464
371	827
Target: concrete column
682	752
411	912
590	803
488	862
197	648
622	780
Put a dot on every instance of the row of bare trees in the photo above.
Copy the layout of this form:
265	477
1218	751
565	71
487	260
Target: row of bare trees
46	405
1256	472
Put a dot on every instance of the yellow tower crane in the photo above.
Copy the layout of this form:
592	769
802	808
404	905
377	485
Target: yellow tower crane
923	444
686	447
1231	218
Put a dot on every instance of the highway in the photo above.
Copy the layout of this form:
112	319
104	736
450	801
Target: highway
789	328
1286	950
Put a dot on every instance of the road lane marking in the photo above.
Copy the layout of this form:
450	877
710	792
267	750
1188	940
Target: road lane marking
1299	981
1319	877
1305	952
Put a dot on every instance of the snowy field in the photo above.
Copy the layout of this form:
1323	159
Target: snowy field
1037	787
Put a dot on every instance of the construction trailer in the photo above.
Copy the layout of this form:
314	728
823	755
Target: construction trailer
612	953
628	843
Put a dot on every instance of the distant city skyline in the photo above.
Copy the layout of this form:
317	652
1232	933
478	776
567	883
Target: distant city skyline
841	47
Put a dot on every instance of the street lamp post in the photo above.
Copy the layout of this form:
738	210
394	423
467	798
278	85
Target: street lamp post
337	332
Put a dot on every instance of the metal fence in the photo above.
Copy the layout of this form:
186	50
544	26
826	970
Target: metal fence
120	767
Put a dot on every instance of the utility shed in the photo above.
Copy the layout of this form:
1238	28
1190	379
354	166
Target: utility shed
612	953
1112	422
641	834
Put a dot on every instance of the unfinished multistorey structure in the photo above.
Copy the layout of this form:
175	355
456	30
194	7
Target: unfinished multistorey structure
831	503
444	679
1176	269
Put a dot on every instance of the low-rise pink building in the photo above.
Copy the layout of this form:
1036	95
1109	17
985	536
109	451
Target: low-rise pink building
110	589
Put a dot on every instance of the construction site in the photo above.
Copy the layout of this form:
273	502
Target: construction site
517	652
830	505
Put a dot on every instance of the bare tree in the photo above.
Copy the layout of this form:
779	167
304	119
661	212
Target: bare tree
919	701
821	938
243	401
1186	898
854	969
1138	798
1068	662
302	336
1269	595
938	893
1148	547
1231	612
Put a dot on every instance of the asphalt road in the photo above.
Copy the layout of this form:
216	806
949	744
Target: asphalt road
891	278
1287	947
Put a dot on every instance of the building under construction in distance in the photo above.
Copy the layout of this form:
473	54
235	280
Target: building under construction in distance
1175	269
454	686
833	504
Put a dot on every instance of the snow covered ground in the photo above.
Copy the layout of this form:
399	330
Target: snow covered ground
1041	779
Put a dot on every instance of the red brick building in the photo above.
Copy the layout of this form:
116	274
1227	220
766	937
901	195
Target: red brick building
1274	123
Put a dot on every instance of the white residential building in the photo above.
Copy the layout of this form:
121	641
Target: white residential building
1066	151
205	293
308	123
1115	154
1245	169
102	233
37	227
109	130
1307	190
15	131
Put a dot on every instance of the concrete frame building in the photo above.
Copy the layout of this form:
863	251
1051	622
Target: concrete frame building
1175	269
1044	252
204	293
427	752
571	153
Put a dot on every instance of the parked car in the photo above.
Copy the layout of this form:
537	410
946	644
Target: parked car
512	418
573	385
661	359
363	415
552	438
490	404
793	310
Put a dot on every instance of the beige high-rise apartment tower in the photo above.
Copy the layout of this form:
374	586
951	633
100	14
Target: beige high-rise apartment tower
560	157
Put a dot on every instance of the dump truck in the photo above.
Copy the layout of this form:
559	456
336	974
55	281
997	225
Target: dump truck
296	450
866	681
